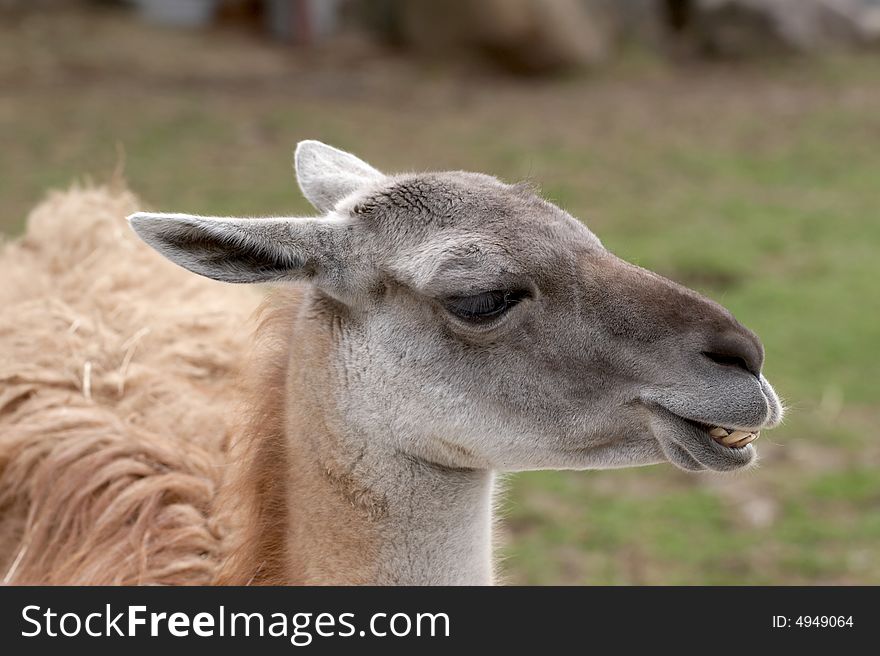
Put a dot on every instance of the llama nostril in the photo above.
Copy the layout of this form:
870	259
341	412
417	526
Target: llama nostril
738	348
729	360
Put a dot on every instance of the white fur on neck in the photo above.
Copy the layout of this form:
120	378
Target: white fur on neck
438	530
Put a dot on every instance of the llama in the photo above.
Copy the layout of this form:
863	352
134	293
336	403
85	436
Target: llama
425	332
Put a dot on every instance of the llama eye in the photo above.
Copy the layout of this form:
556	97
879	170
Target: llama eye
484	306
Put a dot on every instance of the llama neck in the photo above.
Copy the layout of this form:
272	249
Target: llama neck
439	528
321	503
373	517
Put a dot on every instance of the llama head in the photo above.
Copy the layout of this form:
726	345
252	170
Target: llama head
476	325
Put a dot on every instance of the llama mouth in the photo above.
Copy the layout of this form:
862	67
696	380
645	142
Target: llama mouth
696	445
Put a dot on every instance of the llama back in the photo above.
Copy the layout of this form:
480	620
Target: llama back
117	373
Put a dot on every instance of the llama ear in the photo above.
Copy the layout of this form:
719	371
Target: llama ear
326	175
245	250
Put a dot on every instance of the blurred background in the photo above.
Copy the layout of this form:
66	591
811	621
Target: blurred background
732	145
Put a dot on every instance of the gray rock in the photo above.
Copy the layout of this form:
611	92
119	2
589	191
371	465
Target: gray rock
744	27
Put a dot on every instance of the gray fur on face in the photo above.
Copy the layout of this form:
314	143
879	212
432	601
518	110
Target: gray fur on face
601	364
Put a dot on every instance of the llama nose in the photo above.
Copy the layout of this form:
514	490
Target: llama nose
736	348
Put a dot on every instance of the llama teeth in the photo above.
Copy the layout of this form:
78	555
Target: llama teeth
734	437
746	440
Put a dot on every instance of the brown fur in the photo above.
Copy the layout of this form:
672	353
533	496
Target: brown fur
257	486
116	372
121	458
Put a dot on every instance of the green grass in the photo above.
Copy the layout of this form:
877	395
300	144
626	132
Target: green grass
758	186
